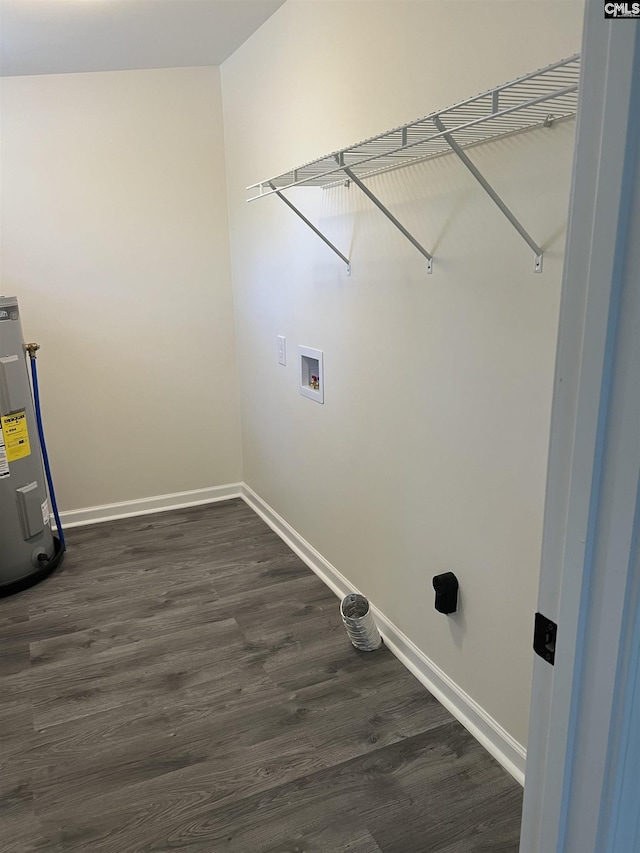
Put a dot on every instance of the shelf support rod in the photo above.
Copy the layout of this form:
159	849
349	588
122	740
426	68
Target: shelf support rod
390	216
312	226
486	186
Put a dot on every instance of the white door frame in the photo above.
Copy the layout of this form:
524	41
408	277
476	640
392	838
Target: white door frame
580	707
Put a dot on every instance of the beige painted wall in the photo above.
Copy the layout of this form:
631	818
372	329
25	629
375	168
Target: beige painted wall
115	240
429	454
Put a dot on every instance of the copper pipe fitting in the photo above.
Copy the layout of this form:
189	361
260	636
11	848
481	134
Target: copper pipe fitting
32	349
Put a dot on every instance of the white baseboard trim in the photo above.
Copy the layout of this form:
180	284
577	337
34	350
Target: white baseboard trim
146	506
498	742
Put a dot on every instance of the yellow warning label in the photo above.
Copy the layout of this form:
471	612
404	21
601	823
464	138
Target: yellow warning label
16	436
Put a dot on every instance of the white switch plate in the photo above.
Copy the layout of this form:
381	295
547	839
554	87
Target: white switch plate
282	349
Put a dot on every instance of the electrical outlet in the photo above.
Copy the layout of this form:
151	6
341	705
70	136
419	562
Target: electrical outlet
282	349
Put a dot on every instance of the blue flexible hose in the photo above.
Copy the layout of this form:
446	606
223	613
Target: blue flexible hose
45	455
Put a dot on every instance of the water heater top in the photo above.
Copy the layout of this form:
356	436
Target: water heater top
9	308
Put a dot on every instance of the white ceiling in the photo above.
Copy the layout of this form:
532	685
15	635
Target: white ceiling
62	36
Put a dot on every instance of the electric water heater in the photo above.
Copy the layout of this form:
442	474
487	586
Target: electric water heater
28	549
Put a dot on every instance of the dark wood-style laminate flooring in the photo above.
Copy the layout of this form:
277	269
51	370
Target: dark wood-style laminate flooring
184	682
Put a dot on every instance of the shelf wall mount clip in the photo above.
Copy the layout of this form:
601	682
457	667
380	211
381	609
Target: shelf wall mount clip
308	222
365	189
486	186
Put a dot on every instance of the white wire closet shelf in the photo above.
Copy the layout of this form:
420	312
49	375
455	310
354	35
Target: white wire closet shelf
536	100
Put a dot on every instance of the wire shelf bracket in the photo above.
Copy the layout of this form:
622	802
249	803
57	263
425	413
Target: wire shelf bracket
313	227
356	180
486	186
539	99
